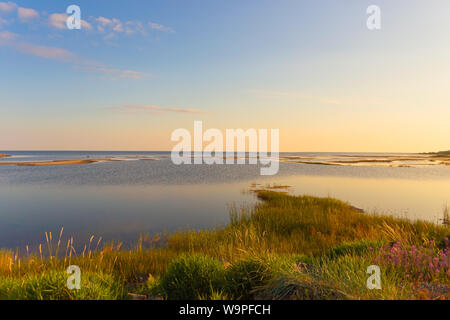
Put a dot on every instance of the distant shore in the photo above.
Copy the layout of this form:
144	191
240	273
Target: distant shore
439	153
56	162
441	158
428	159
61	162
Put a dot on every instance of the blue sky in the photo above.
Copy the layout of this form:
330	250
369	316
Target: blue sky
140	69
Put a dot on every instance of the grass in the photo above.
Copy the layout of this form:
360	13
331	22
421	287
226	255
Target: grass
51	285
192	276
286	247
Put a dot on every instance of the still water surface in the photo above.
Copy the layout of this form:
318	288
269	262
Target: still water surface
120	200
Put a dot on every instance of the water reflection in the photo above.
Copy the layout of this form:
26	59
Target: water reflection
120	200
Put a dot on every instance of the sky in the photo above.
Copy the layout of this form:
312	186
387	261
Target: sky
138	70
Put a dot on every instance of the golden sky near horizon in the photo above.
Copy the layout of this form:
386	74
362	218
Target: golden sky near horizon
315	72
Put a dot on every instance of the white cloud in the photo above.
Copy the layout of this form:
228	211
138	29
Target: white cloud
132	27
160	27
117	73
101	24
6	35
118	27
4	22
7	6
27	14
9	39
45	52
114	25
53	53
103	21
58	20
110	26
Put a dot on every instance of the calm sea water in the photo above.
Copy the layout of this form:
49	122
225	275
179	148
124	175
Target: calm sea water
120	200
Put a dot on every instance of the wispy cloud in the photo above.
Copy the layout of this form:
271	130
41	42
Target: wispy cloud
109	26
13	40
114	23
45	52
24	14
117	73
27	14
7	6
132	27
4	22
160	27
8	36
114	26
131	108
58	21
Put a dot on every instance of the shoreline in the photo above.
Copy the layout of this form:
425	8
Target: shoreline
55	162
440	159
387	162
65	162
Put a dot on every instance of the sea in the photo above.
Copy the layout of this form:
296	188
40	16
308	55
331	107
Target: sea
146	194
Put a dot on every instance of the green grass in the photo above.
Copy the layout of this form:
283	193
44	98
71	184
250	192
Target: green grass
286	247
246	276
51	285
192	276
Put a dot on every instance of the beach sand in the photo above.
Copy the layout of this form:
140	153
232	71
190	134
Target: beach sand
56	162
391	161
65	162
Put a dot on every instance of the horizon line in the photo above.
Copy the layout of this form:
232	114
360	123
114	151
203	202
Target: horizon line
224	151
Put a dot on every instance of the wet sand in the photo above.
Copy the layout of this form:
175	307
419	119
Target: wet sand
391	161
55	162
67	162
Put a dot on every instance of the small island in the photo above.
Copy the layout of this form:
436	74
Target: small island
387	160
55	162
62	162
443	153
439	153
